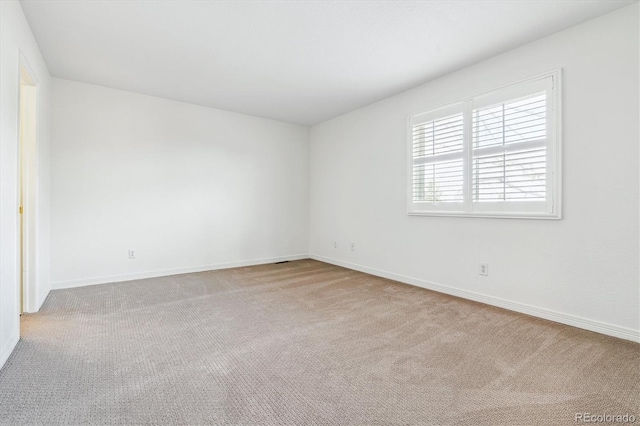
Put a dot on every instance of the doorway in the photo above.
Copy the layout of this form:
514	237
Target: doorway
27	188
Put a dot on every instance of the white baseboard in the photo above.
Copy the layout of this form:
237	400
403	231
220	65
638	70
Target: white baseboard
167	272
572	320
8	347
42	299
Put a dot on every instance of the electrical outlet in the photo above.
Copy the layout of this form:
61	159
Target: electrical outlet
484	269
132	254
353	246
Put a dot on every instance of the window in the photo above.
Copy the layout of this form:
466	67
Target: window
495	154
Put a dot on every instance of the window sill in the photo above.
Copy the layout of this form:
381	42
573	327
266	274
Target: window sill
490	215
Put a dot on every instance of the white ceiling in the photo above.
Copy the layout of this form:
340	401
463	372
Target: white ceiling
301	62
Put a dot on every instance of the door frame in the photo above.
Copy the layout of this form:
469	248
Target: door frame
27	188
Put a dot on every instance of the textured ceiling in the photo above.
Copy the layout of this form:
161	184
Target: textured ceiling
301	62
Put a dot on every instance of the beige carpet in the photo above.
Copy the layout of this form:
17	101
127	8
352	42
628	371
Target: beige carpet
304	343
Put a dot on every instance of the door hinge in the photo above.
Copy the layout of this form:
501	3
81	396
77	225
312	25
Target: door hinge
20	209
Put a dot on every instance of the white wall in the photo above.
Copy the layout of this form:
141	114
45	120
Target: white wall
188	187
16	36
582	270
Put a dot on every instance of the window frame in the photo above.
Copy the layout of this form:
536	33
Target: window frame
498	209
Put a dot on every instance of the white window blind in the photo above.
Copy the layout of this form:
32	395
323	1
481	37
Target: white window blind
496	154
518	170
438	167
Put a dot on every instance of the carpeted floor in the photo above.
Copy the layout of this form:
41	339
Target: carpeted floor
304	343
